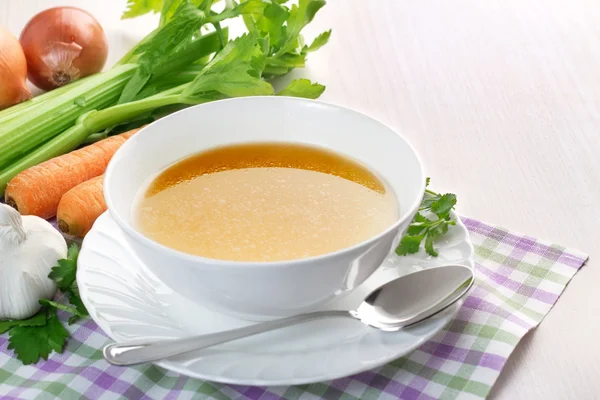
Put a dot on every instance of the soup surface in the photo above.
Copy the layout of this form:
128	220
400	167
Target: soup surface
265	202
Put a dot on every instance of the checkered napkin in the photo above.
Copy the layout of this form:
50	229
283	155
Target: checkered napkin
518	279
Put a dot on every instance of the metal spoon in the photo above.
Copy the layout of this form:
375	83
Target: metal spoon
394	305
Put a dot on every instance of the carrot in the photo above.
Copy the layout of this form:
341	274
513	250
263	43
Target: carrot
80	207
38	190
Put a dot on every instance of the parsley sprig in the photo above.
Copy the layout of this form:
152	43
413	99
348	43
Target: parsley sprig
64	275
430	223
39	335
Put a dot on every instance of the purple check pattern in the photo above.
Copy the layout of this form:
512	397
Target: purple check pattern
518	280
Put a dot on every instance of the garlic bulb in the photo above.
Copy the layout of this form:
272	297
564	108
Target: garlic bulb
29	248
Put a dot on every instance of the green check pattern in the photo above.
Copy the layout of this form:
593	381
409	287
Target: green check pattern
518	280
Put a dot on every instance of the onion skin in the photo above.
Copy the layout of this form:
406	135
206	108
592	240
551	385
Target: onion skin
13	71
61	45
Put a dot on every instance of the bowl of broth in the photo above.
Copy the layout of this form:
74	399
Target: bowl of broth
264	207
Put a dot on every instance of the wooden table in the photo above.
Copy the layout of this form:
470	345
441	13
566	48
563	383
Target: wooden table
502	100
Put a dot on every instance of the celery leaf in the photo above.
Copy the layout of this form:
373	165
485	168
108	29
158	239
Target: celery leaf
319	41
235	71
136	8
302	88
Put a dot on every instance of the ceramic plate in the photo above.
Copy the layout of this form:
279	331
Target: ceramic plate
129	303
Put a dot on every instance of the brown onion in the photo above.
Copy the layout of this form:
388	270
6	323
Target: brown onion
13	71
63	44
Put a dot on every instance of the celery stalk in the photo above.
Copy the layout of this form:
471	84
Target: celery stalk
21	135
155	65
63	143
34	102
89	123
57	110
118	114
36	137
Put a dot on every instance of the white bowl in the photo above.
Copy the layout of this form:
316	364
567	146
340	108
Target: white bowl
260	290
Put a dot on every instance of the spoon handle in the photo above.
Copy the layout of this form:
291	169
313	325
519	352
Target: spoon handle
132	353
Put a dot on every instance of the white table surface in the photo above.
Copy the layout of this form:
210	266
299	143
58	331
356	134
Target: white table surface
502	100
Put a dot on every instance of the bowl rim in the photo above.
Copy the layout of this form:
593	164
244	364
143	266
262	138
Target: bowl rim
130	231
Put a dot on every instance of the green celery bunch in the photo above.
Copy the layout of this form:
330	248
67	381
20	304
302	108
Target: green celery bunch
167	70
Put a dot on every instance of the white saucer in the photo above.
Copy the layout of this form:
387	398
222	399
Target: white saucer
128	303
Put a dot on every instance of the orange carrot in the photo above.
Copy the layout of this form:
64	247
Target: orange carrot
38	190
80	207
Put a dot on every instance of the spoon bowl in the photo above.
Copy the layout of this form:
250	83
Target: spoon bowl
399	303
411	298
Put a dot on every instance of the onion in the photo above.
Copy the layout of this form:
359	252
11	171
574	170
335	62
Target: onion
13	71
63	44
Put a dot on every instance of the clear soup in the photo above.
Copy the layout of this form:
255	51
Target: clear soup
265	202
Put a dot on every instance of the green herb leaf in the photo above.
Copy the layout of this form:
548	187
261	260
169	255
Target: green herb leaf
248	7
75	299
417	226
283	26
64	273
288	61
409	245
426	203
303	88
430	223
271	22
442	205
59	306
168	10
438	230
38	319
300	16
429	246
320	41
235	71
170	7
136	8
30	343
